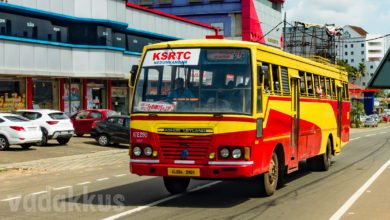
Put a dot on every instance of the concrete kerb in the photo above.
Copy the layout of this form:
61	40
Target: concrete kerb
108	157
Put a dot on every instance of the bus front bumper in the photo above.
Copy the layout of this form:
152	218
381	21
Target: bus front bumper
213	170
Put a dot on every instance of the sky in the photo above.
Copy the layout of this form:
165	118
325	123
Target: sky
372	16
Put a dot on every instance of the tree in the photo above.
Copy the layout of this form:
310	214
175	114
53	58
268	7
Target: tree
353	72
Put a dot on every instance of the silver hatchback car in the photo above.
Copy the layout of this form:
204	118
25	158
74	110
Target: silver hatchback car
54	124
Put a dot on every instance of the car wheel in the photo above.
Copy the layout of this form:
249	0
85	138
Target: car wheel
44	139
63	141
26	146
4	145
103	140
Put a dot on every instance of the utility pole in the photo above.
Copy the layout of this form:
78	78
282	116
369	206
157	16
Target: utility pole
284	32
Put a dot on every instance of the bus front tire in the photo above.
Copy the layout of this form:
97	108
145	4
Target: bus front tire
269	180
176	185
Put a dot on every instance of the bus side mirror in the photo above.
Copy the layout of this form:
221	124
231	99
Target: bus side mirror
133	73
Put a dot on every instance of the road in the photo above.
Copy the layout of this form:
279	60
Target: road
98	185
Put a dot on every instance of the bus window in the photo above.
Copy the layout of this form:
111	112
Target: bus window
309	81
302	83
328	87
265	69
333	89
322	86
275	79
152	84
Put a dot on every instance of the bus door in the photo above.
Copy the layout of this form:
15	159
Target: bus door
339	91
295	116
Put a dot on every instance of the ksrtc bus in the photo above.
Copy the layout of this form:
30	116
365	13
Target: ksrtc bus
249	111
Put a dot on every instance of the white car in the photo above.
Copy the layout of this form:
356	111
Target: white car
15	129
54	124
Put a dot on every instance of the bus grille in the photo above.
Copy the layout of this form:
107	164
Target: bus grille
197	147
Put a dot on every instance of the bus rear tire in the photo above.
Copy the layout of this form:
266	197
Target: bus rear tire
176	185
321	162
269	180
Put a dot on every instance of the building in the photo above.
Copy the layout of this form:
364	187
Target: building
357	46
72	54
250	20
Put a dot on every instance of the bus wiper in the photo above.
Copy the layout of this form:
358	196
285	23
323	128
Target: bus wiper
217	115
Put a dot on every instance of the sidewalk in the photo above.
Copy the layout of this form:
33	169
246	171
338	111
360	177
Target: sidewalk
110	157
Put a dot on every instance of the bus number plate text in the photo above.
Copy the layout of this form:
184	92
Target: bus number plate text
183	172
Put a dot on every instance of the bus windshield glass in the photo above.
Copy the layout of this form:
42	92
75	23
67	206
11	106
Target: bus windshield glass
195	80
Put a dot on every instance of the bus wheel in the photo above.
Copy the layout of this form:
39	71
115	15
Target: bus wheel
176	185
269	180
321	162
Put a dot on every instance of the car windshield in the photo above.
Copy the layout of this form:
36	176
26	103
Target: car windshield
15	118
198	80
58	115
112	113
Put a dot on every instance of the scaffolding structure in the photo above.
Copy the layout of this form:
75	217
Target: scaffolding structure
311	41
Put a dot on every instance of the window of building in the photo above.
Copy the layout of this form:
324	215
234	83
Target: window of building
164	2
364	83
346	46
145	2
362	60
362	44
119	40
351	45
72	94
362	52
104	36
12	94
351	52
45	94
371	74
346	53
352	60
136	43
371	67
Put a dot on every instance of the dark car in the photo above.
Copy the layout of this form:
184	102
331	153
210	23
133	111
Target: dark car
114	129
82	120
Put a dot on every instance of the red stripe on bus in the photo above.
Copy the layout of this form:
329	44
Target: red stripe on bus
191	118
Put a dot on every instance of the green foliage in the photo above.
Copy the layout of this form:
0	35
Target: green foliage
357	109
353	72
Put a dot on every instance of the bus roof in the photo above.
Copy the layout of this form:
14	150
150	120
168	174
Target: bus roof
245	44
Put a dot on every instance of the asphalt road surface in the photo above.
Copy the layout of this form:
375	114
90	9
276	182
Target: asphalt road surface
96	184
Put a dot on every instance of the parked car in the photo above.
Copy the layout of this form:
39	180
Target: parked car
82	120
370	122
54	124
15	129
114	129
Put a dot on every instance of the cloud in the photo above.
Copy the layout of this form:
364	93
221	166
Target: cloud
371	16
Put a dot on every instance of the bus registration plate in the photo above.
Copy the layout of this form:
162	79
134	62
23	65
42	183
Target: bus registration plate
183	172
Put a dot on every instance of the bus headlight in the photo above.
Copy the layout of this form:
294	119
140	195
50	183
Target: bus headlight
224	152
236	153
148	151
137	151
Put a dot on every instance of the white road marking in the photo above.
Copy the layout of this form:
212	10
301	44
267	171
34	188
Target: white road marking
37	193
139	208
120	175
358	193
368	135
12	198
354	138
83	183
102	179
62	187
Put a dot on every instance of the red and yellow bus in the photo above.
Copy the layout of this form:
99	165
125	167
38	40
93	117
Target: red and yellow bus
250	111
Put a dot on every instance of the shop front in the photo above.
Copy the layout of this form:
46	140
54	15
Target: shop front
12	94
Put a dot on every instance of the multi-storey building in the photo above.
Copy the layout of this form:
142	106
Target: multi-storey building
77	54
356	46
251	20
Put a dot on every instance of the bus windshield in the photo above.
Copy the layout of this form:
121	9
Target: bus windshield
195	80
